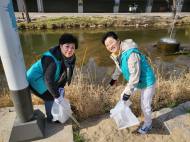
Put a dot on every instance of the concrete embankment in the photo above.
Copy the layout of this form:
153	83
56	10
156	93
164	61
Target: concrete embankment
100	20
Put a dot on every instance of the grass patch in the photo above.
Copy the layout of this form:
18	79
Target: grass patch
84	22
188	111
67	22
78	137
172	104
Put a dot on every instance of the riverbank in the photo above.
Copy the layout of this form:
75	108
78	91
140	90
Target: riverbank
41	21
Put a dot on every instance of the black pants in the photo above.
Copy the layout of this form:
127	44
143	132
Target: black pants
48	100
45	96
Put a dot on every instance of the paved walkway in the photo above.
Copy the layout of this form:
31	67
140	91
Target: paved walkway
169	125
53	132
57	15
177	118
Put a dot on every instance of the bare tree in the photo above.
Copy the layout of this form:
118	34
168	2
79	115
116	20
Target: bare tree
28	20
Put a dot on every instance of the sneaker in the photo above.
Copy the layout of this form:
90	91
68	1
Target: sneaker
57	121
145	129
53	122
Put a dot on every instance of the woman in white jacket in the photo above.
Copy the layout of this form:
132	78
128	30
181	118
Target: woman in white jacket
136	70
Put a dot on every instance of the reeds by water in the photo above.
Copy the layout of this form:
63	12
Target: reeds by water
90	99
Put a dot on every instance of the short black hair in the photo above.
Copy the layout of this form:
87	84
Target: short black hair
68	38
109	34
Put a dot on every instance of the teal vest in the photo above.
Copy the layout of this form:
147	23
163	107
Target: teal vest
147	77
35	75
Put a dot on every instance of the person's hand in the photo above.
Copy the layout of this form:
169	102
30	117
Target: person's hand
125	97
61	91
59	99
61	95
112	82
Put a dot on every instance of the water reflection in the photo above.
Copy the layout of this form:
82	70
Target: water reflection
98	74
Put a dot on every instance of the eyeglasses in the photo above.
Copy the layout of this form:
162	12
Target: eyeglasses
68	46
111	44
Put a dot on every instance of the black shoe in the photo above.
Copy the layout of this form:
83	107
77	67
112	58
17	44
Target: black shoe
57	121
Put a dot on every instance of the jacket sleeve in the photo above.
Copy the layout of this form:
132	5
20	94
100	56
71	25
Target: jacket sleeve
49	68
134	70
116	73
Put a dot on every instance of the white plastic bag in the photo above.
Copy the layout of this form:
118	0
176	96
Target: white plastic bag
123	115
62	111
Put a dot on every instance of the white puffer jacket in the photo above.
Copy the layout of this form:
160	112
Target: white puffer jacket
133	65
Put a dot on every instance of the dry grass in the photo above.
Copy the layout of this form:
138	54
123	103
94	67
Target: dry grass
172	91
4	94
5	101
89	99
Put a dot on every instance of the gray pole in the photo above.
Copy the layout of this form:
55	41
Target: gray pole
13	62
27	121
40	5
116	6
20	5
149	6
80	6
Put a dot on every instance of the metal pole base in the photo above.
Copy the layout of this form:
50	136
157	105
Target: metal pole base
32	130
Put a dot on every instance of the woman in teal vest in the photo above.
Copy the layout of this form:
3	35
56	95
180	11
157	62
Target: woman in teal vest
48	76
136	70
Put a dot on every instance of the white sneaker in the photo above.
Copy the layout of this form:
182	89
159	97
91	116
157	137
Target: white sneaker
145	129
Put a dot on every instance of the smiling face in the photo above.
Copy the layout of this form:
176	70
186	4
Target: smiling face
112	44
67	49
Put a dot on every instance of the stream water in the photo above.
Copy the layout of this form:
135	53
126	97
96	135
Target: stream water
93	56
